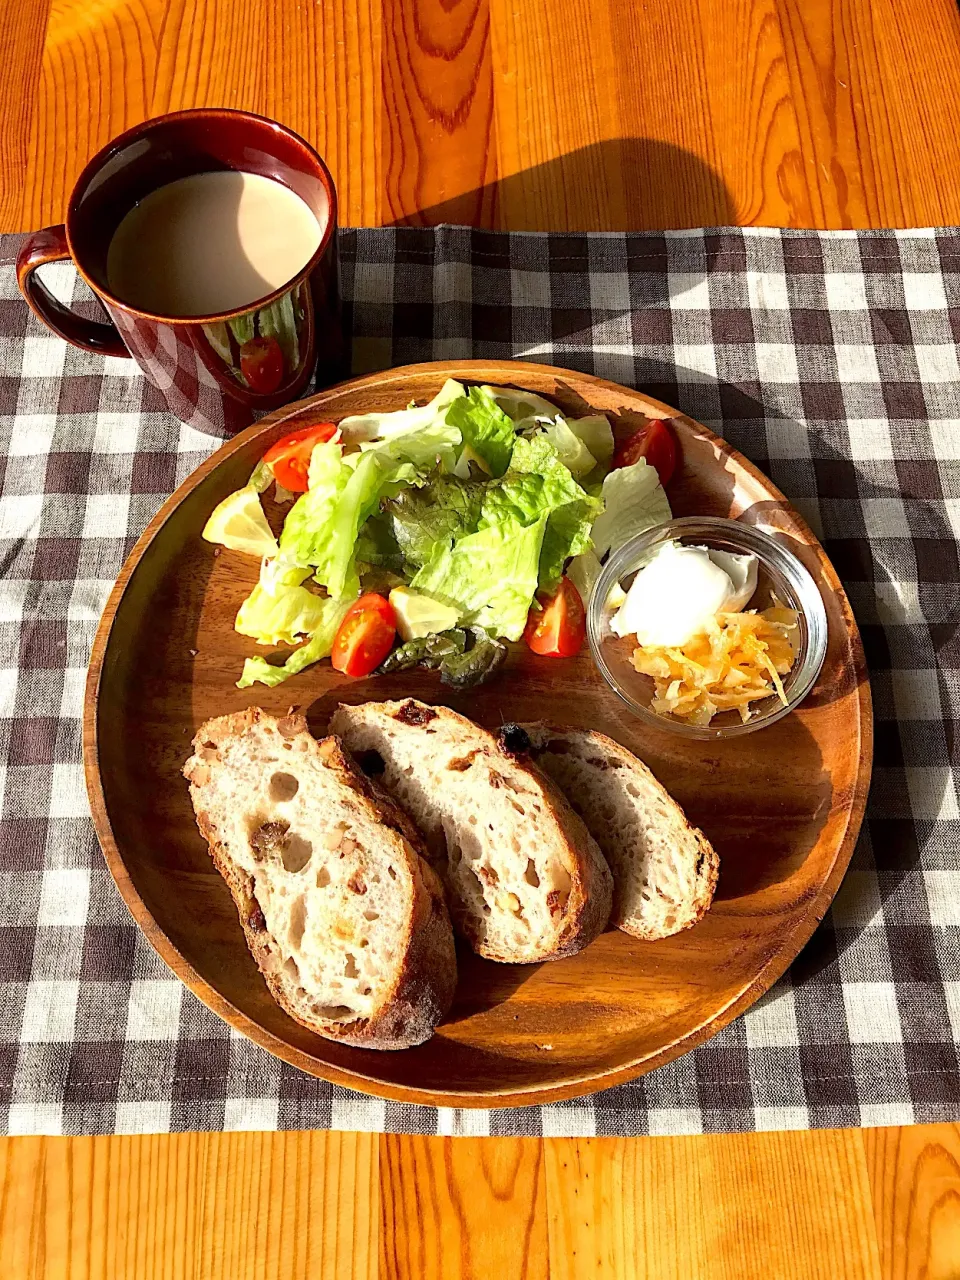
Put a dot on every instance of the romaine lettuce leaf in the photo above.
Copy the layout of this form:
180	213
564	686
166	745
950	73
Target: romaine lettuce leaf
318	646
490	575
536	483
326	471
484	427
633	501
567	534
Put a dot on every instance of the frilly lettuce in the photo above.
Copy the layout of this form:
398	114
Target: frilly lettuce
539	484
426	521
529	522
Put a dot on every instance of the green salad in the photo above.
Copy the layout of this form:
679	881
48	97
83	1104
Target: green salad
433	534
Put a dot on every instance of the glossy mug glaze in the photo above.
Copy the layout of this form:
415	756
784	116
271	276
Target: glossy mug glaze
194	361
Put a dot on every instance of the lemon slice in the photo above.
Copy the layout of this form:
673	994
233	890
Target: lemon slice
239	523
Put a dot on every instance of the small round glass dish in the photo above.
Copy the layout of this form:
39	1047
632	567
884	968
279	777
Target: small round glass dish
782	580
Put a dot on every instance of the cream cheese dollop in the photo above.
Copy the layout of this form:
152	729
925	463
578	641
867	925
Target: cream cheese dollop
680	589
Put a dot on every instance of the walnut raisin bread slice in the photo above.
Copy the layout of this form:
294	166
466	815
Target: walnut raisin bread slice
664	870
525	880
344	918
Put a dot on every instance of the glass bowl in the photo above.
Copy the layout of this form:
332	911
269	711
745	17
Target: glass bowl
782	580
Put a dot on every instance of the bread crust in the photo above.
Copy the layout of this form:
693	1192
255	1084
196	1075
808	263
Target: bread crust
426	971
542	736
591	892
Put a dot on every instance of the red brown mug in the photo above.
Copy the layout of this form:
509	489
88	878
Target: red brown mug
195	361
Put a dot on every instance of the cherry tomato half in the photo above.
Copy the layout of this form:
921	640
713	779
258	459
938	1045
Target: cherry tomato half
365	636
656	443
261	363
289	458
560	627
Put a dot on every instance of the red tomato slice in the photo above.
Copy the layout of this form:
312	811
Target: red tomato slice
560	627
261	363
365	636
656	443
289	458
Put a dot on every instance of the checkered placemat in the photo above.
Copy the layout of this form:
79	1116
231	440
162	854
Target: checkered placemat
830	360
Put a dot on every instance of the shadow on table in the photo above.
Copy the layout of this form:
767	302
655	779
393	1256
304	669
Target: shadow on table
621	184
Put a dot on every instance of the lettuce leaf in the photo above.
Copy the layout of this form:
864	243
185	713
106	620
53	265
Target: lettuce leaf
572	451
597	434
426	521
377	544
258	670
567	534
322	527
536	483
484	428
633	501
521	405
583	571
539	484
424	447
382	426
490	575
585	445
283	617
529	522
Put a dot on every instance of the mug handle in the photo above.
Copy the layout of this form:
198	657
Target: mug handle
50	245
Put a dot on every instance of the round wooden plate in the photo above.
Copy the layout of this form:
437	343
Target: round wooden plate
782	806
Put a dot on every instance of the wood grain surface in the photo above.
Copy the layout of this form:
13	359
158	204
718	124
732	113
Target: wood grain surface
878	1205
782	808
547	115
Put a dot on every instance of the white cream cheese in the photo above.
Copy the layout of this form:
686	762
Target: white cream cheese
679	589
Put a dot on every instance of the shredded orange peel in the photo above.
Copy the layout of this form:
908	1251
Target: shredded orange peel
737	659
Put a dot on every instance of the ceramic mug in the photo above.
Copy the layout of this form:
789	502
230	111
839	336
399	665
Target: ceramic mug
195	361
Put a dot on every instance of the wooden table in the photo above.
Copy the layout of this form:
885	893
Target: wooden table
545	114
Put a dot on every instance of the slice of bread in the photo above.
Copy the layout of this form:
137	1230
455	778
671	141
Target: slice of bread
345	919
664	870
525	880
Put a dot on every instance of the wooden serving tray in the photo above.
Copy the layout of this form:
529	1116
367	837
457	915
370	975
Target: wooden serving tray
782	806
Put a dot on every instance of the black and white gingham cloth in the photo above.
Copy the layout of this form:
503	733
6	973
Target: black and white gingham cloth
830	360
